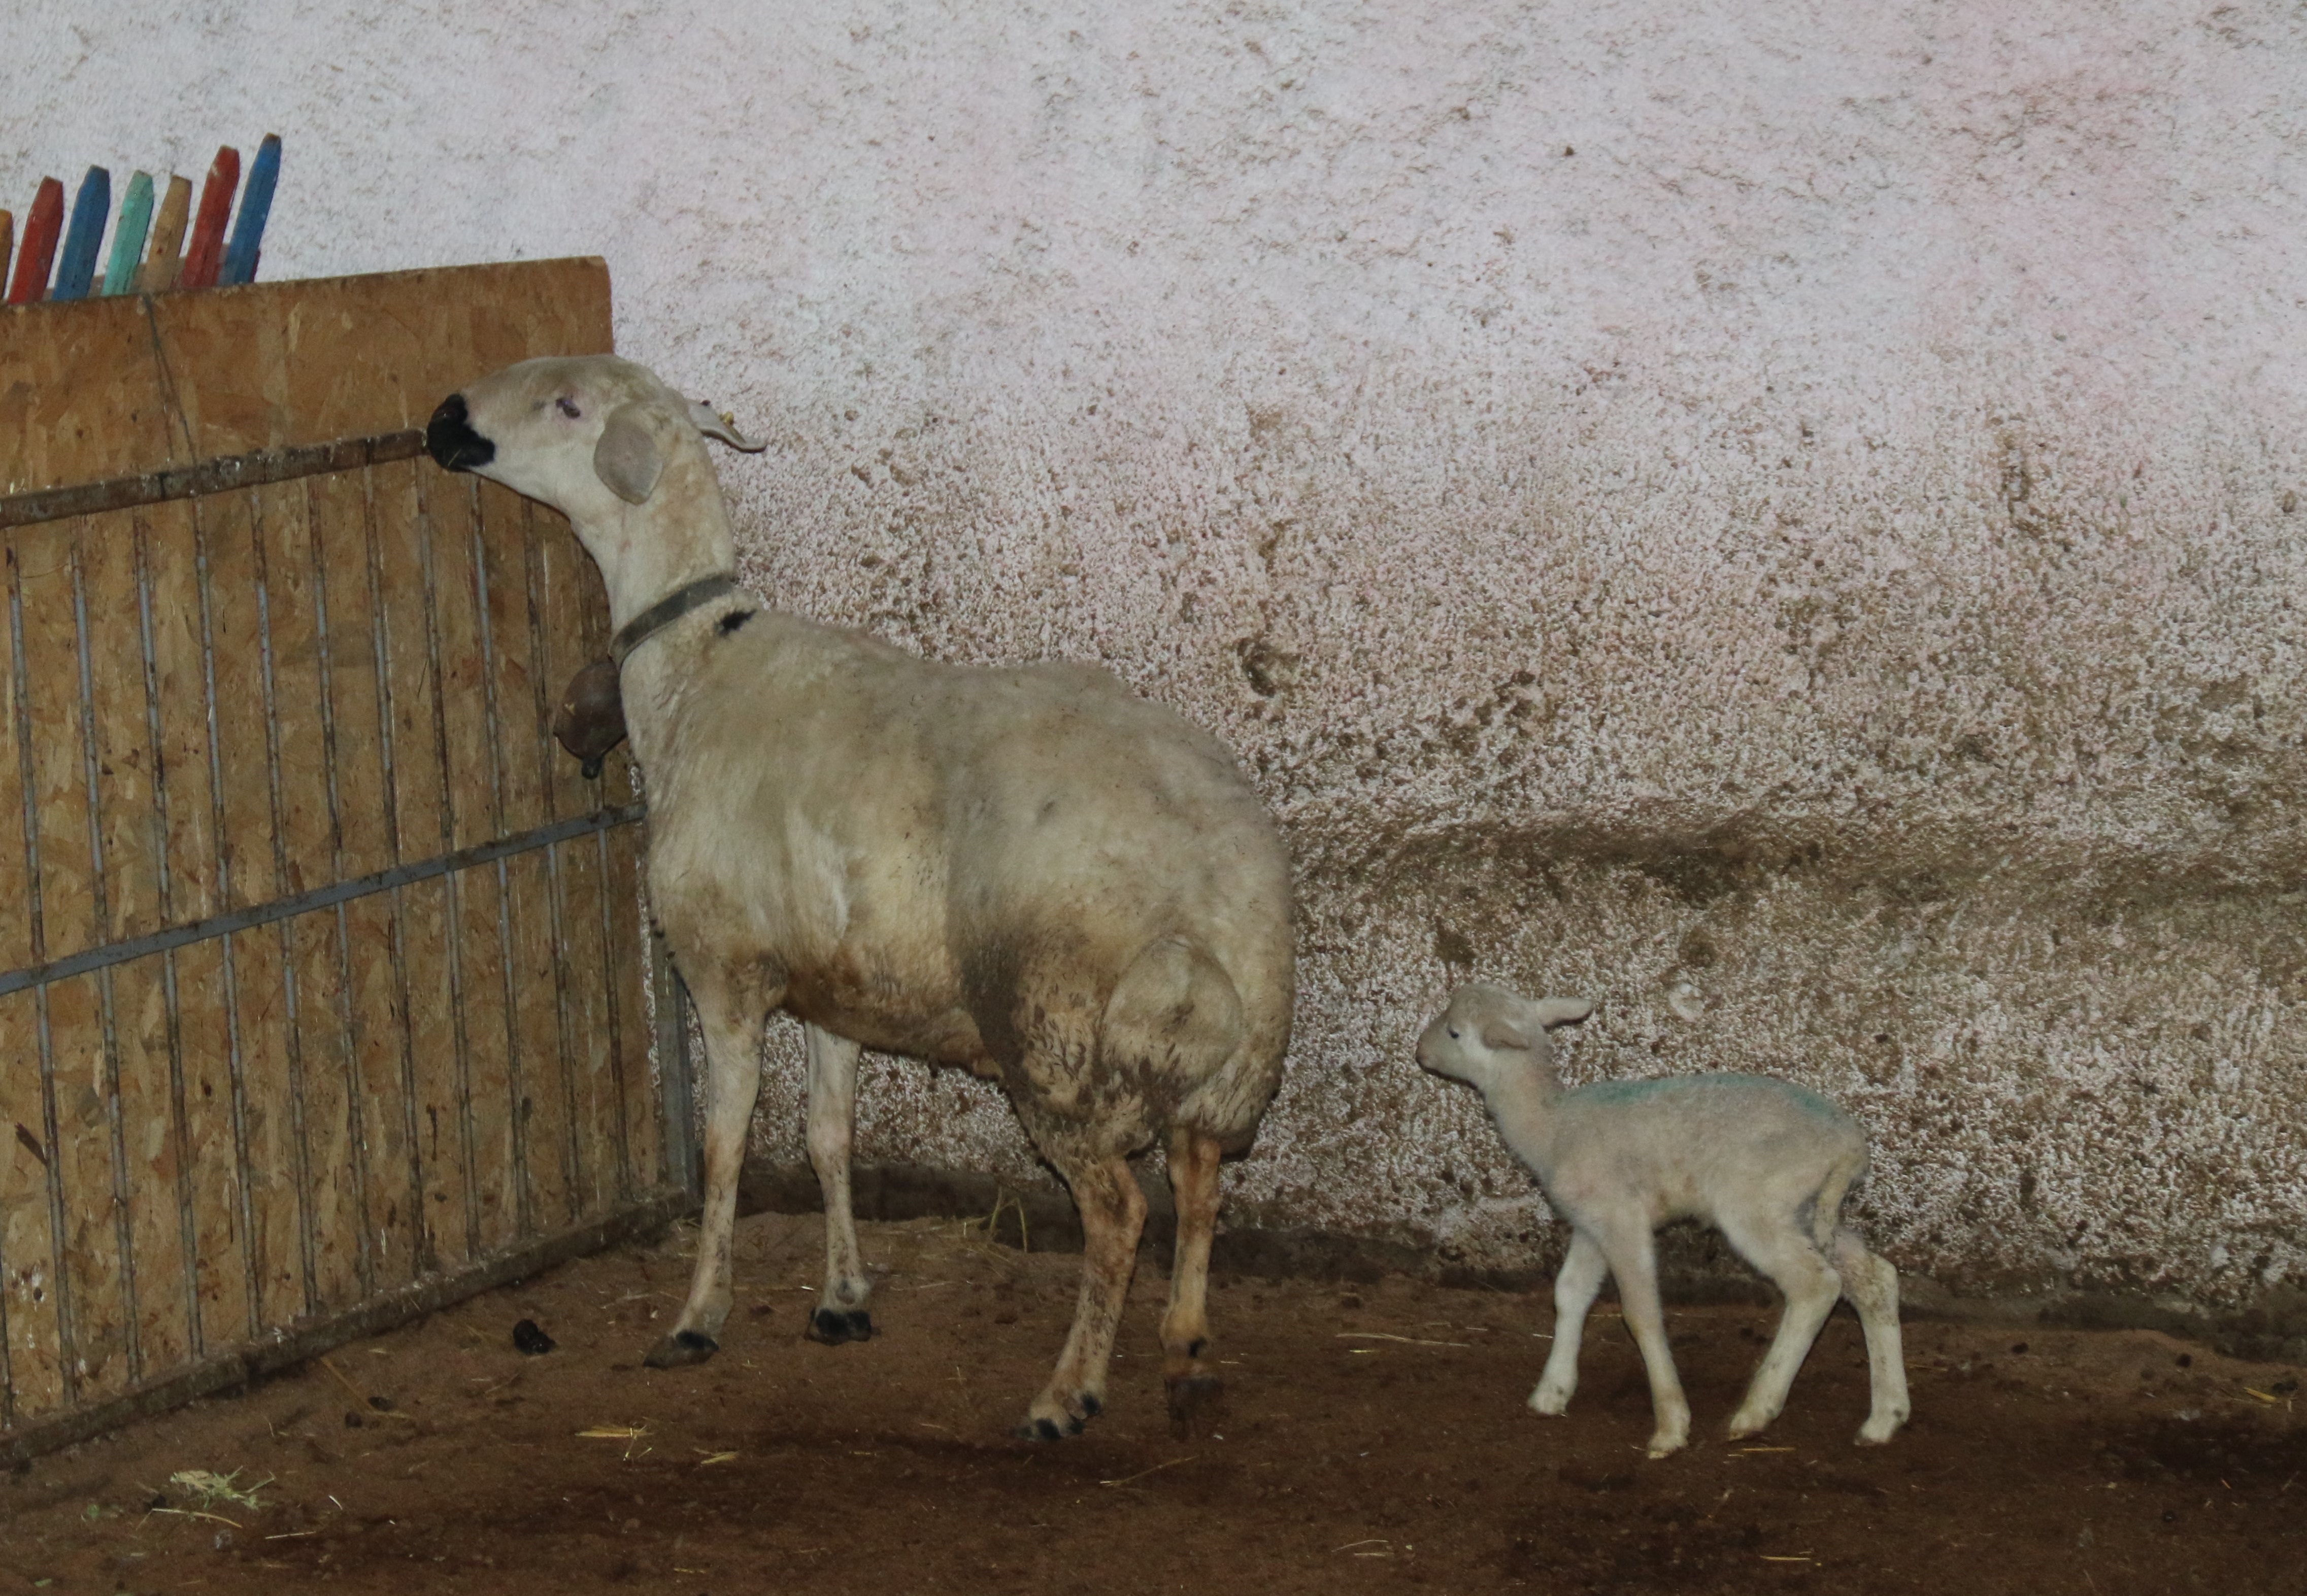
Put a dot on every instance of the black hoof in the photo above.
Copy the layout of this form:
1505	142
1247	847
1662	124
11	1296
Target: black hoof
1197	1402
681	1349
1049	1429
834	1326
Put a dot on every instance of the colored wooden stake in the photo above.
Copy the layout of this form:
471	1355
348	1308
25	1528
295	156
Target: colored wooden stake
7	241
204	256
40	252
92	209
128	236
157	274
255	209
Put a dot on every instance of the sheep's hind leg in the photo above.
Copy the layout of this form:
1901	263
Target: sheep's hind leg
1195	1394
1112	1213
1794	1263
841	1314
1871	1285
732	1080
1576	1287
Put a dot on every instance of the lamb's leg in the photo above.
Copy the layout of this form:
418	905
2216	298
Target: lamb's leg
1112	1213
1871	1285
841	1314
1195	1392
732	1080
1793	1261
1632	1259
1574	1291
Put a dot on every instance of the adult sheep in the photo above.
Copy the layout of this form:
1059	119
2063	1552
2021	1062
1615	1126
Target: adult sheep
1028	873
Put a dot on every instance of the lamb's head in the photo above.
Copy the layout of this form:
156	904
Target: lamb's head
585	434
1486	1029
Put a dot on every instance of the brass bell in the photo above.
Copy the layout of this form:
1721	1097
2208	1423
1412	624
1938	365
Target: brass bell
592	716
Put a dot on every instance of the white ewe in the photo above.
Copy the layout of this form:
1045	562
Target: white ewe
1028	873
1764	1161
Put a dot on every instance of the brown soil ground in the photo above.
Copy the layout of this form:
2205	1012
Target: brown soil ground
1375	1440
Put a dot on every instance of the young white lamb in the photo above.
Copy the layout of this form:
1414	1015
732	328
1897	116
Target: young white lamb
1029	872
1764	1161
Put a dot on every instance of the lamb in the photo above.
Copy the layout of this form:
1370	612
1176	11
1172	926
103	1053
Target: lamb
1029	872
1764	1161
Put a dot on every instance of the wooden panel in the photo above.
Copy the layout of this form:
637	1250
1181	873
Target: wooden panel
81	396
152	1140
340	522
28	1250
409	681
230	526
393	1181
493	1067
131	844
299	773
332	1169
452	1227
644	1150
208	1032
94	1265
182	791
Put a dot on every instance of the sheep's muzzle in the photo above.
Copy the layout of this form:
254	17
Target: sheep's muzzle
451	440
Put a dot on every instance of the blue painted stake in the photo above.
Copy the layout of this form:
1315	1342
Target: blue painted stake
91	210
128	236
255	209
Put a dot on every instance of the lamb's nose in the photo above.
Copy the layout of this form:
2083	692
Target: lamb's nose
451	440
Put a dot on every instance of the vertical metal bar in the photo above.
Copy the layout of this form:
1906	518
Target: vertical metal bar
180	1122
355	1134
380	647
455	898
676	1095
616	1023
67	1346
557	890
224	853
524	1219
299	1142
123	1229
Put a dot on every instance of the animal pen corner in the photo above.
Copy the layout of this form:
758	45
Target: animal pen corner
325	995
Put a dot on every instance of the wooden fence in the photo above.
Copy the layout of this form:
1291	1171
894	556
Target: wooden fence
324	993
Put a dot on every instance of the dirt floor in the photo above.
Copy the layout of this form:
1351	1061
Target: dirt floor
1375	1440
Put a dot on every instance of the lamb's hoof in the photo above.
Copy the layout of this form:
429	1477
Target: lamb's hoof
1064	1423
1745	1425
1666	1445
681	1349
835	1325
1876	1434
1551	1402
1197	1403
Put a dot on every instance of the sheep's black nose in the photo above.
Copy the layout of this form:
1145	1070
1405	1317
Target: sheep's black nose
451	440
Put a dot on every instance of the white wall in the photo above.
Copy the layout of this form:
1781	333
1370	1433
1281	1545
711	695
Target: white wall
1810	569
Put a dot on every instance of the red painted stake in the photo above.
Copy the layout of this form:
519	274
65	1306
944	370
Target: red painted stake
205	254
40	252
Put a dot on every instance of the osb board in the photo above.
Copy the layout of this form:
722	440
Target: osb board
96	388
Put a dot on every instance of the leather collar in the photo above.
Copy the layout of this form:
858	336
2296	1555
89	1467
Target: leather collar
661	614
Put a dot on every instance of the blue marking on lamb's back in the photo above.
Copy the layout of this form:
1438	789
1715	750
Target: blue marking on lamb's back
1635	1091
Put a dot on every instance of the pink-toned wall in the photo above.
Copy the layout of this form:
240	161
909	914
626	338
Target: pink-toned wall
1781	518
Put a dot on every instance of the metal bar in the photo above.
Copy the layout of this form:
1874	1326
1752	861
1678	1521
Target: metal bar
524	1219
381	650
324	897
456	905
616	1023
123	1233
355	1129
221	475
68	1361
300	1149
268	1354
237	1086
557	907
179	1120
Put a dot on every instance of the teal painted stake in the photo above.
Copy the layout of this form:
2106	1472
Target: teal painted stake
128	236
90	210
255	209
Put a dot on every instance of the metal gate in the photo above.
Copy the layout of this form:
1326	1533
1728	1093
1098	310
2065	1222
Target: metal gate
324	996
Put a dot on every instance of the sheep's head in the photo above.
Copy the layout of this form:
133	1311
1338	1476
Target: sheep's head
585	434
1487	1028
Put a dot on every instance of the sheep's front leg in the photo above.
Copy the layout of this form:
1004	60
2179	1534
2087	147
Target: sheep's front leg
1195	1393
732	1080
1112	1214
841	1314
1574	1291
1633	1260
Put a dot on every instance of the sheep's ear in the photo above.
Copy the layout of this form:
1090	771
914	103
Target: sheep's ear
1497	1034
720	424
627	459
1552	1011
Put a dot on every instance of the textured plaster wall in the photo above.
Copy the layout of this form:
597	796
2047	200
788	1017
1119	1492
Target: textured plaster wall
1782	519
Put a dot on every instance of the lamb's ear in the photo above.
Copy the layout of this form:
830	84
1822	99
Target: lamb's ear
1497	1034
627	459
716	423
1552	1011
